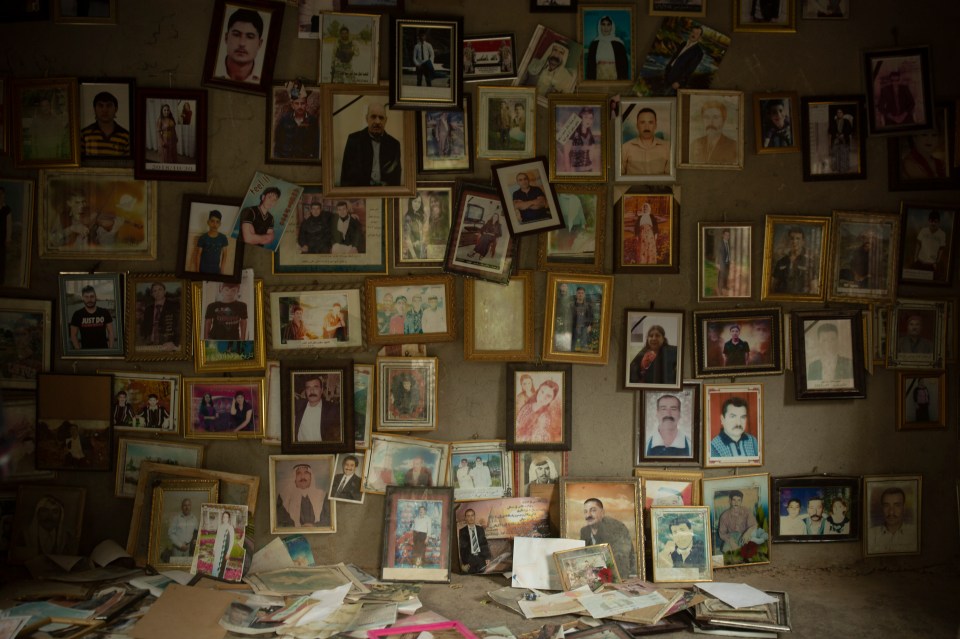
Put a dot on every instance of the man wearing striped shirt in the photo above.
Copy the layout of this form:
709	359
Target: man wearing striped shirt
105	138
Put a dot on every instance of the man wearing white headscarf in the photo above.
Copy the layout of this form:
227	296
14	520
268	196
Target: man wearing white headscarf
607	56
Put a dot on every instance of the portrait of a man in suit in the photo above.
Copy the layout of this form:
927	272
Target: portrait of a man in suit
346	484
473	545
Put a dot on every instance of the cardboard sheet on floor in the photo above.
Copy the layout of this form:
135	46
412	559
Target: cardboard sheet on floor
182	611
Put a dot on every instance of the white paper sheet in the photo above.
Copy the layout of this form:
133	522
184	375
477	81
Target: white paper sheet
327	602
608	604
271	557
533	565
737	595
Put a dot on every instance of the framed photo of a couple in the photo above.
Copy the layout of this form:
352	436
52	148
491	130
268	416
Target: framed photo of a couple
653	354
539	411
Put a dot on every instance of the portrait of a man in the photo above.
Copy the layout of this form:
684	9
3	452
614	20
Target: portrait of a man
647	151
894	516
715	137
371	156
733	420
299	493
829	349
296	123
240	55
316	407
682	548
347	482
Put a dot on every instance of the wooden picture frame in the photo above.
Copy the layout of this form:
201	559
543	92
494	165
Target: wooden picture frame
591	566
921	400
130	405
863	257
158	317
538	468
929	243
18	199
699	112
97	333
738	342
407	394
825	341
645	140
531	206
223	339
222	417
354	59
653	349
423	223
806	504
795	251
293	123
392	460
107	102
672	530
539	407
726	261
133	453
30	323
489	57
293	478
74	431
647	234
305	320
498	320
429	62
557	54
927	160
580	136
446	139
660	413
614	24
581	338
175	147
732	407
412	553
917	334
172	543
776	121
769	17
204	252
834	138
388	323
899	92
242	25
506	122
66	501
317	408
481	244
669	487
480	469
900	496
44	122
733	546
579	245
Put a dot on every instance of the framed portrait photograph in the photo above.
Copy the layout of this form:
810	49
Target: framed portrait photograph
682	537
300	494
667	427
834	138
480	470
921	400
313	319
609	51
929	237
407	393
19	415
740	518
96	214
693	8
73	422
91	315
106	120
768	16
645	135
481	244
685	54
257	223
220	542
591	566
416	540
738	342
606	511
653	349
317	407
145	402
863	257
404	461
539	406
228	325
427	62
925	161
827	354
334	235
899	90
158	318
891	514
669	487
44	122
293	123
825	9
551	64
349	47
92	12
171	135
17	205
732	425
538	468
356	115
204	253
578	318
498	320
29	323
817	508
578	147
363	402
711	129
423	225
647	234
506	122
131	453
38	507
795	249
175	520
917	334
419	306
228	409
446	139
529	201
726	262
489	57
347	480
776	120
242	47
486	530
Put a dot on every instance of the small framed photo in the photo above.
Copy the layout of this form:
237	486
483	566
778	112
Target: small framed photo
426	70
91	315
481	244
145	402
404	461
539	406
30	326
106	120
578	148
480	470
776	118
317	408
578	246
363	377
769	16
667	427
423	225
96	214
653	349
578	318
726	261
485	531
421	306
609	51
921	400
591	566
816	508
36	503
692	8
356	115
158	318
551	64
44	122
925	161
506	122
175	521
498	320
740	515
711	129
929	237
606	511
732	425
133	452
347	479
825	9
863	257
17	206
647	234
681	536
172	135
795	252
446	139
228	325
917	333
669	487
538	467
899	90
243	43
407	393
417	532
529	201
891	514
349	47
553	6
827	354
293	123
834	138
738	342
19	415
227	409
300	494
204	253
645	135
220	542
489	57
685	54
93	12
73	422
310	319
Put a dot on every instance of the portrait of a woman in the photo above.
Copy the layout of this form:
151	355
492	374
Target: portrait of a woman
656	363
487	239
222	544
241	413
526	393
167	135
541	420
415	229
207	413
645	236
607	57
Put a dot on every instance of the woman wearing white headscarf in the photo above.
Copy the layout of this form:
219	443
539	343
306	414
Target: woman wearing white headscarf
607	57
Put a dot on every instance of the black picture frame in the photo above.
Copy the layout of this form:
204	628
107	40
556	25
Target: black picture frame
812	488
711	330
925	161
214	67
821	162
892	77
446	42
287	139
176	131
846	334
644	427
196	212
294	377
514	379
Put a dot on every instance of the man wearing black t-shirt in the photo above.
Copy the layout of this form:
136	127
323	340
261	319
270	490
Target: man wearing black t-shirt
91	327
226	318
256	222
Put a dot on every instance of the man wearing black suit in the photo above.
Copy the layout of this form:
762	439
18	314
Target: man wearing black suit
684	62
317	419
474	549
341	233
161	321
346	485
365	145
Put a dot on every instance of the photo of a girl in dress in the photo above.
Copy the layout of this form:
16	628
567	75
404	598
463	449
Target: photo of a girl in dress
221	534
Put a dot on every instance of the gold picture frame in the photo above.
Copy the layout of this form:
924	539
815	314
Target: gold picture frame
691	477
492	312
564	249
164	512
793	274
382	309
217	419
203	361
567	338
177	302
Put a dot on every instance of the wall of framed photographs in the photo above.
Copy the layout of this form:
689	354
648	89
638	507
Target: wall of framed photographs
807	64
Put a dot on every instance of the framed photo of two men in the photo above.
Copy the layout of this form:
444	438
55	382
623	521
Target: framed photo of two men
818	508
243	43
427	54
317	407
828	354
795	250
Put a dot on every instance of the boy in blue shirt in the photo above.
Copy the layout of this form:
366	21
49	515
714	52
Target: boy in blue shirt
209	254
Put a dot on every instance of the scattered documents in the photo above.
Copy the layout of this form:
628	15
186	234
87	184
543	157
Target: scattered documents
737	595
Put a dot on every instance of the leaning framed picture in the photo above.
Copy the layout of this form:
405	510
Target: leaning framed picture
917	334
609	51
647	234
300	494
578	245
417	534
228	325
422	224
667	427
317	406
529	201
363	403
407	393
417	309
928	246
204	253
446	139
489	57
175	521
404	461
498	320
480	469
795	250
73	422
921	400
738	342
899	85
17	203
580	134
223	407
645	138
653	349
307	320
711	129
44	122
819	508
145	402
863	257
779	16
591	566
776	119
33	503
293	123
242	46
740	518
349	47
726	261
133	452
669	487
834	138
30	325
427	66
481	244
550	64
539	406
506	122
158	318
891	514
681	536
827	354
172	135
578	318
91	315
347	479
927	160
732	425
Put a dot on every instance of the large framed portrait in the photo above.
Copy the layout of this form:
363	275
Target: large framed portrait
929	239
446	139
927	160
550	64
312	319
96	214
732	425
669	487
19	415
480	470
776	120
795	252
653	349
827	354
158	318
145	402
834	138
740	519
863	257
578	318
91	316
921	400
423	225
349	47
106	120
818	508
681	536
609	52
242	47
529	202
667	427
44	122
577	246
711	129
917	334
891	514
407	393
220	541
738	342
347	480
317	407
489	57
29	323
726	261
356	115
539	407
427	62
481	244
772	16
578	147
417	525
229	409
404	461
73	422
404	309
300	494
36	506
228	325
645	135
899	90
293	123
606	511
498	320
175	520
131	453
204	253
257	224
647	234
17	203
506	122
685	54
171	135
534	468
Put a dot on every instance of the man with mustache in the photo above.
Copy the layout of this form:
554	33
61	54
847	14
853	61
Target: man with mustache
894	535
814	522
371	156
714	147
601	529
304	504
243	39
737	524
646	154
318	420
91	326
668	441
734	440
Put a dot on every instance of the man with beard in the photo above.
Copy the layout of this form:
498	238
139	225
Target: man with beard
893	535
317	419
301	505
646	154
243	39
371	156
914	341
815	523
553	77
733	440
601	529
737	524
668	441
91	326
714	147
795	272
297	135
